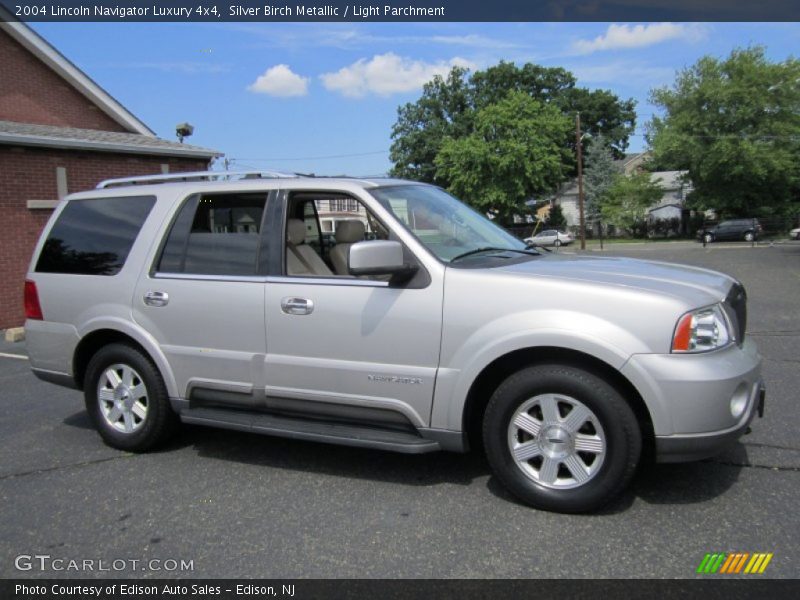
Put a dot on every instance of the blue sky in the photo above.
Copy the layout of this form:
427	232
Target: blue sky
264	93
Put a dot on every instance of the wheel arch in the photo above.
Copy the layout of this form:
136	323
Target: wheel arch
498	370
92	340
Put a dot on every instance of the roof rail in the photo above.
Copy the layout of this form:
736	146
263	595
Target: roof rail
194	176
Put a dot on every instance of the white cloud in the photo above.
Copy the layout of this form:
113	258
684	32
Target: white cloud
351	36
471	40
638	36
386	74
280	81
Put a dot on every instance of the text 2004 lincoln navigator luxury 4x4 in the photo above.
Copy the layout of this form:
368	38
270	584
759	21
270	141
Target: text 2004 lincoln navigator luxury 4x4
385	314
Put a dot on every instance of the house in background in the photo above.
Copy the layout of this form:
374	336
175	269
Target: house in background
60	132
670	211
674	184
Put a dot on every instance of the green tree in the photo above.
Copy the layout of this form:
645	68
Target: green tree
555	218
600	174
734	124
443	111
515	151
627	200
448	108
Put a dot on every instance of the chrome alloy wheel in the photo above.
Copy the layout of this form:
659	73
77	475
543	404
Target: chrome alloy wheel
122	396
557	441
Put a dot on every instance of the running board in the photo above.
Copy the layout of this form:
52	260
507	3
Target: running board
315	431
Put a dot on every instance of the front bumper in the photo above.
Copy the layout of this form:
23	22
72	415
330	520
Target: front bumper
698	403
685	448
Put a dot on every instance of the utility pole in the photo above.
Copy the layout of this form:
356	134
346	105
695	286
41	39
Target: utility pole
580	179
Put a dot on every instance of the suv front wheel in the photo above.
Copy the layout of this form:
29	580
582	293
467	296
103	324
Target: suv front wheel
127	399
561	438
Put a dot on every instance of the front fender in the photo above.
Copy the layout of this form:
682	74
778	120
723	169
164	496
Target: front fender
569	330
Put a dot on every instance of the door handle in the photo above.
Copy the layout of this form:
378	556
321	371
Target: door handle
297	306
156	298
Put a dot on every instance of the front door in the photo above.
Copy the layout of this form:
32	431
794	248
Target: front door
344	346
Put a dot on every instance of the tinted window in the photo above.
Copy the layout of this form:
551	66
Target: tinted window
94	237
215	235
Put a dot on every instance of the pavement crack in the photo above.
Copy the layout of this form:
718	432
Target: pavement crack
787	333
755	466
762	445
85	463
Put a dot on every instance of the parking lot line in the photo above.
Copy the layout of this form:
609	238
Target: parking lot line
17	356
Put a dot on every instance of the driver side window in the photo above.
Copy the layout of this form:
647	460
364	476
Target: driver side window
321	228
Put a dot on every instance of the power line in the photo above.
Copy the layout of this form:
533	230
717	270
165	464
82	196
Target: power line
330	156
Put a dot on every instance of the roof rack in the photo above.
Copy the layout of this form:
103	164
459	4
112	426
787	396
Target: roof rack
195	176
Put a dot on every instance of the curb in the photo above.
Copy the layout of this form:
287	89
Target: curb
15	334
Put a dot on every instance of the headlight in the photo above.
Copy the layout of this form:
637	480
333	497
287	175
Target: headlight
701	330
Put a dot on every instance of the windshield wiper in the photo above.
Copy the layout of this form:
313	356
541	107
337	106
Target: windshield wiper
537	247
491	249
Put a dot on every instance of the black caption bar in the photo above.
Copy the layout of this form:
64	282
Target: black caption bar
400	10
394	589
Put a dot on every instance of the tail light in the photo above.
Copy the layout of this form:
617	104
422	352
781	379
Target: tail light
33	310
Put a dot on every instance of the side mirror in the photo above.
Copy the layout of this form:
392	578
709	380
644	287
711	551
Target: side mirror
378	257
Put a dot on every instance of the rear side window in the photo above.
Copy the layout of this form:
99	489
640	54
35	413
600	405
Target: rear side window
215	234
94	237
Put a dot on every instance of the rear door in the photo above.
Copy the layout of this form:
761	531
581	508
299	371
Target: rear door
725	230
545	238
204	302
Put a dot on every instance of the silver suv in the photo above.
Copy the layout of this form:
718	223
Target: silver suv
384	314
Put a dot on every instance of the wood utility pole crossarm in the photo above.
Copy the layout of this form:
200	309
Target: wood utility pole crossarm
580	180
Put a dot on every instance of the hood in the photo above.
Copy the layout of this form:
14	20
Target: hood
694	285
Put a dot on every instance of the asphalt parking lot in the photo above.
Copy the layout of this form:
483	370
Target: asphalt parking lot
241	505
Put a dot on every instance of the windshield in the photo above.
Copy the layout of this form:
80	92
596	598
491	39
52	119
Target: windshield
446	226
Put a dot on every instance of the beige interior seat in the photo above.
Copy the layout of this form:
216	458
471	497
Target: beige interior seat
301	259
347	233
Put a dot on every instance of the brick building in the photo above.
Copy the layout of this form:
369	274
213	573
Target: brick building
60	133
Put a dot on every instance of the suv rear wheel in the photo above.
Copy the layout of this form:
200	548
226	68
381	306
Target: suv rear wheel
708	238
127	399
749	236
560	438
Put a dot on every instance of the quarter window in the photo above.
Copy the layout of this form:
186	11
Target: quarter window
94	237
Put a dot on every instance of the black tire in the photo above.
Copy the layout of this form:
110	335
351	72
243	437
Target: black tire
749	236
557	243
623	438
708	238
159	422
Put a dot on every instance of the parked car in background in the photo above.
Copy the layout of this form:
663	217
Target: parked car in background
795	234
550	237
731	230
